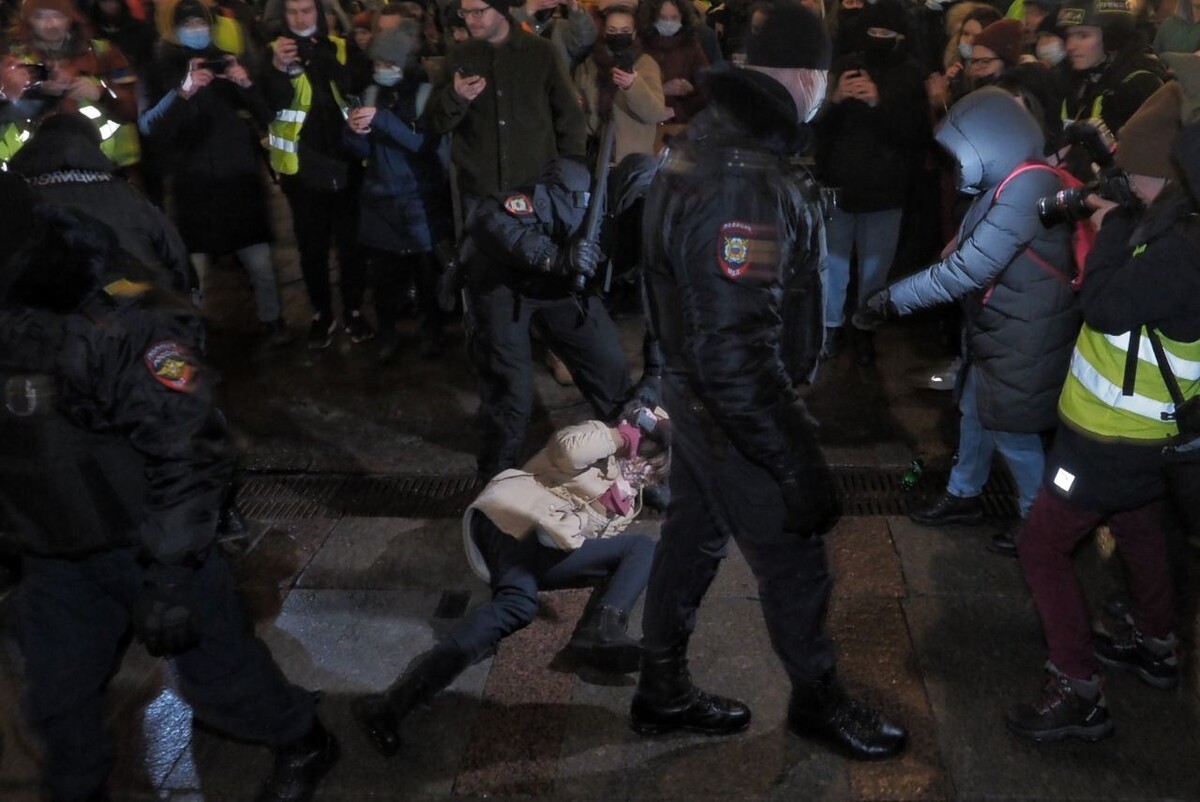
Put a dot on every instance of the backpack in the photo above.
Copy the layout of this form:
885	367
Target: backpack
1083	236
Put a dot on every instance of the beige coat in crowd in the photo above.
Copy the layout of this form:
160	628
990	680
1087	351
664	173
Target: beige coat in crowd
637	110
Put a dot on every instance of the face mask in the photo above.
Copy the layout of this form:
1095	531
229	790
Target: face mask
307	32
1052	52
388	76
617	42
666	28
194	38
881	45
965	50
807	88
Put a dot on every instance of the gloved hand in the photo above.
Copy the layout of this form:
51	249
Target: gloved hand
812	502
582	258
647	392
875	310
163	617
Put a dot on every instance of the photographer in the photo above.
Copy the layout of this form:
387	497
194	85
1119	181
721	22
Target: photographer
197	97
1119	432
524	264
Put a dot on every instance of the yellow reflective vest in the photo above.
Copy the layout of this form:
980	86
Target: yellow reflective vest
283	134
1093	399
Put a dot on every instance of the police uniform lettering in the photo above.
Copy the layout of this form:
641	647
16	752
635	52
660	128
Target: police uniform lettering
748	251
171	364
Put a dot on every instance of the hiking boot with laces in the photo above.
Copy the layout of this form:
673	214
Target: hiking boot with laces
1069	708
1154	660
822	711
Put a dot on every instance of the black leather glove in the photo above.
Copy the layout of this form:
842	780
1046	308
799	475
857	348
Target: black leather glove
163	617
582	258
813	505
875	310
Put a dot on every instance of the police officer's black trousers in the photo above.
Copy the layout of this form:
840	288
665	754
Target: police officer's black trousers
498	323
716	494
73	617
520	568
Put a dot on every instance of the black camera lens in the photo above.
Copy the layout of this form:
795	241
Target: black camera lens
1065	206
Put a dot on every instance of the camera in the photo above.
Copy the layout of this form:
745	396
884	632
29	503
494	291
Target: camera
37	72
1070	205
216	66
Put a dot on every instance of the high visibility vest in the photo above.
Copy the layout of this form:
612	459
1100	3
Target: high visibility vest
283	134
1097	104
12	138
1093	398
227	35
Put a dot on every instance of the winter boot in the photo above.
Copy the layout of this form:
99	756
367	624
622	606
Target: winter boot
835	342
821	710
950	509
600	640
666	700
379	715
300	765
1154	660
1069	708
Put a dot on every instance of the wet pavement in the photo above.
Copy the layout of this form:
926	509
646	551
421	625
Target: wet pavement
930	626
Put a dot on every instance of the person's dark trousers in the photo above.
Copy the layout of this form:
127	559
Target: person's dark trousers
498	323
718	494
1045	547
321	219
73	616
391	275
520	568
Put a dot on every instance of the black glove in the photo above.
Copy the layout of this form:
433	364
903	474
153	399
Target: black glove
875	310
582	258
163	617
813	505
647	392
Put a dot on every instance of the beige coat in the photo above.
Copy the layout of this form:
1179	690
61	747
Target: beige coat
637	110
554	495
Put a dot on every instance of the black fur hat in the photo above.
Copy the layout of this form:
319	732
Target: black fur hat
792	38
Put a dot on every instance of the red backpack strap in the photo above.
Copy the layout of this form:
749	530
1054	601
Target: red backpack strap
1023	167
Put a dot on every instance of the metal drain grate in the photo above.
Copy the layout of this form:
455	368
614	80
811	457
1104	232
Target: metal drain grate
864	491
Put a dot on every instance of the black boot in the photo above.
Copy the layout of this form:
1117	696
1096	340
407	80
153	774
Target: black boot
835	341
950	509
1069	708
822	711
864	347
601	641
666	700
379	715
300	765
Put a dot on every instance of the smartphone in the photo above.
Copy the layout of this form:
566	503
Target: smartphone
624	61
466	71
216	66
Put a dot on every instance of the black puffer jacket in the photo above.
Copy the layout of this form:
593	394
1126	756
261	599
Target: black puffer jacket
732	260
1021	319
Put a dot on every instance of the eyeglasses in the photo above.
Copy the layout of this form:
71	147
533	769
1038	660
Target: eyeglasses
477	13
985	60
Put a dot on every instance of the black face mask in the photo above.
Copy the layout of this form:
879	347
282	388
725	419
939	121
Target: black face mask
880	46
617	42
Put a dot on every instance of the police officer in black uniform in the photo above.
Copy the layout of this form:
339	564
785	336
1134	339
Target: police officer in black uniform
111	475
525	257
732	256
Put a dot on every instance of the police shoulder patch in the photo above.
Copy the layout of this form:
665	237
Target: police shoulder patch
748	250
171	363
519	205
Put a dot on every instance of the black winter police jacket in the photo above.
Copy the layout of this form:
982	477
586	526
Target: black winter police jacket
733	240
110	434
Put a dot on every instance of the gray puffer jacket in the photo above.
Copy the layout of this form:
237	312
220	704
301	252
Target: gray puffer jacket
1020	319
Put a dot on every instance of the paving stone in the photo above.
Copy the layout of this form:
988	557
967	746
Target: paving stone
954	560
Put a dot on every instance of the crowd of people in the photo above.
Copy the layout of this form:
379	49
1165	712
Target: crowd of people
775	179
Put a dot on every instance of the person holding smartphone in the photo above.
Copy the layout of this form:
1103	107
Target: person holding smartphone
197	97
622	84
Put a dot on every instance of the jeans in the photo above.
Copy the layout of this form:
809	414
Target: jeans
875	235
1022	452
256	261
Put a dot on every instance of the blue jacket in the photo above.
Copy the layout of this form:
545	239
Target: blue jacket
405	197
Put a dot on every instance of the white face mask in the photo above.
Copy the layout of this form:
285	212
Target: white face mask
306	33
1052	52
965	50
807	87
668	28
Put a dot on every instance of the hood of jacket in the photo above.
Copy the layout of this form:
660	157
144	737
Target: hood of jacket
989	133
66	141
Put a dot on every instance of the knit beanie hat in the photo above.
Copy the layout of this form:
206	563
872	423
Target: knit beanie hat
364	19
397	45
1002	38
792	38
1144	143
191	9
30	7
887	14
503	6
